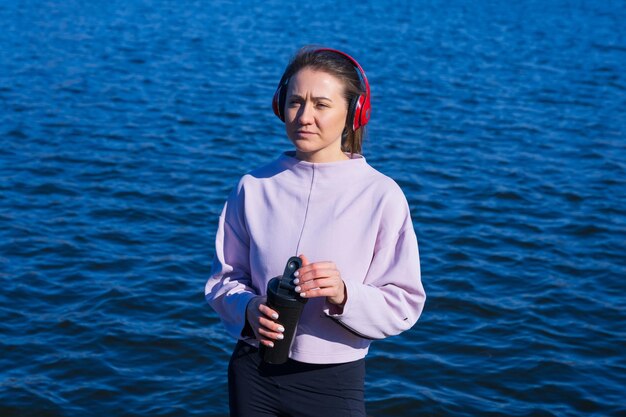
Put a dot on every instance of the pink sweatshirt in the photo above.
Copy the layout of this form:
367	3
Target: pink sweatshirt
345	212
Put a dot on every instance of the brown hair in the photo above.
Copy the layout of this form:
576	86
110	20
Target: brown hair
342	68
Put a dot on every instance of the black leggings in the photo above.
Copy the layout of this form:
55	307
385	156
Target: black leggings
294	388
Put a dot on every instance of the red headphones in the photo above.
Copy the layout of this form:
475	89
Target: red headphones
358	109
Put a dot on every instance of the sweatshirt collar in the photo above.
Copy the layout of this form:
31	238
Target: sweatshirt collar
323	170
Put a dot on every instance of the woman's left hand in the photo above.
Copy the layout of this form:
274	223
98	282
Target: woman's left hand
320	279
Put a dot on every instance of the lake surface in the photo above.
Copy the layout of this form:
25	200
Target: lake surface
124	125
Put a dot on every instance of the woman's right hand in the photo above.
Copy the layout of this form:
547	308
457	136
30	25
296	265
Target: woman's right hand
262	320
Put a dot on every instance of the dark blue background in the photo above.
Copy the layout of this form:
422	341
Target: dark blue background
124	125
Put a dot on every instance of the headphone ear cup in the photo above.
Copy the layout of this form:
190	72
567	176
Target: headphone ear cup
282	101
351	119
356	114
275	105
278	101
364	111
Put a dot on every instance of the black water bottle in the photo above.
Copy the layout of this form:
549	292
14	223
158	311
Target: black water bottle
283	298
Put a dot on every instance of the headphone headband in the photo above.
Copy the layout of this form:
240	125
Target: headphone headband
358	109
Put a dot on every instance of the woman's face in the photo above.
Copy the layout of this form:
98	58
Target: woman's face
315	115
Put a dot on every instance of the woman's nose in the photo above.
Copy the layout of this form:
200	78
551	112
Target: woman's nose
306	114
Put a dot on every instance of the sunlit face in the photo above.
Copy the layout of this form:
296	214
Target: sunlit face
315	115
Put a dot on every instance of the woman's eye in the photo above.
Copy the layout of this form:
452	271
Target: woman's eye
293	103
322	105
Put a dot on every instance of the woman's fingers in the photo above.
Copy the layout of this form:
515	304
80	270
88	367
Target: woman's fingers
269	325
313	274
305	260
319	292
269	328
271	336
312	269
332	288
313	284
261	318
320	279
268	311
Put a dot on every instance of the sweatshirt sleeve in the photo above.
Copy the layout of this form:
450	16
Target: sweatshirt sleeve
390	298
228	289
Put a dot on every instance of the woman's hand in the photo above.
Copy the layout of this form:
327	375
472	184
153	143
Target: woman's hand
320	279
262	320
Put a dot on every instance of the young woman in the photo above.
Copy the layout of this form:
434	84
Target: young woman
350	225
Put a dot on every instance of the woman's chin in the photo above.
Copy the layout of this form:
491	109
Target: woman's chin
304	145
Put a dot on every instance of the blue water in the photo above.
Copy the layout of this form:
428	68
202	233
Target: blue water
124	125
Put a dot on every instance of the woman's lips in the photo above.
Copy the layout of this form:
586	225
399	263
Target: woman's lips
304	133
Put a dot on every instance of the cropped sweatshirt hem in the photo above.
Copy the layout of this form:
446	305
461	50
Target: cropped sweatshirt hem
317	358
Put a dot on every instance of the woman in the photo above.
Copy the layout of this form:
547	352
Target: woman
350	225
